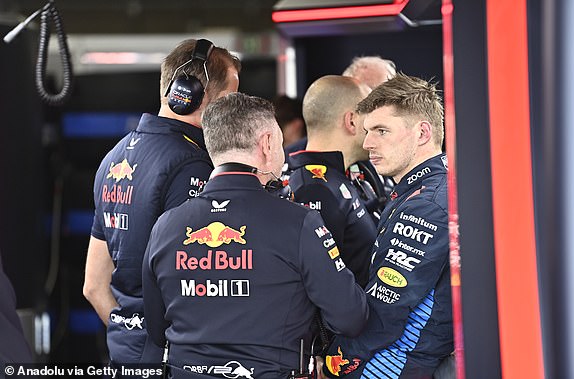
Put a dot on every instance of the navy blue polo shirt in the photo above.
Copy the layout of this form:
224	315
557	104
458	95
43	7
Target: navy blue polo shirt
154	168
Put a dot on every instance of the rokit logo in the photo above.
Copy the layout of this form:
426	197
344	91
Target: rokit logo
129	323
116	220
401	259
220	288
231	370
411	232
419	174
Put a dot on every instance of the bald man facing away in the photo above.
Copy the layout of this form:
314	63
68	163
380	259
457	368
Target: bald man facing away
335	138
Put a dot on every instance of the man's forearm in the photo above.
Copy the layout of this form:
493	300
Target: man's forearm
102	300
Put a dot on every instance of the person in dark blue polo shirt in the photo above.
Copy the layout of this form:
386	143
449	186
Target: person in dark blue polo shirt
154	168
318	180
410	325
233	279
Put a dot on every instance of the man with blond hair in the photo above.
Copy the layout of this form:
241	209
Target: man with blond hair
410	325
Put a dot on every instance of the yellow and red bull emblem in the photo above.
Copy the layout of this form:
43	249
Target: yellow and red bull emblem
336	362
214	235
121	170
317	170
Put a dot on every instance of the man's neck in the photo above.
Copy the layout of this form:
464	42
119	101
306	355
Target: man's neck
193	118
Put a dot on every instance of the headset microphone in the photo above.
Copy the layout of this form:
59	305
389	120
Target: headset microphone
274	185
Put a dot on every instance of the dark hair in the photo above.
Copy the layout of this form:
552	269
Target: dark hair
235	122
287	109
217	64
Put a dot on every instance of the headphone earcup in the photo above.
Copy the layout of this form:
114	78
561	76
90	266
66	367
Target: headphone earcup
185	95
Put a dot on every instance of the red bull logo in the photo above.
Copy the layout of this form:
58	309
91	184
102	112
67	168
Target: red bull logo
121	171
215	235
335	362
317	170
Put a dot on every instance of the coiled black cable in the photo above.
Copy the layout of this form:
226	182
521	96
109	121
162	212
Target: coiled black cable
51	12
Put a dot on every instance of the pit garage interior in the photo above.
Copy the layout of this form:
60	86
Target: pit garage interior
503	68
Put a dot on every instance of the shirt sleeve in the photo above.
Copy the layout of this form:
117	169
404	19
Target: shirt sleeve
411	253
329	284
154	307
186	182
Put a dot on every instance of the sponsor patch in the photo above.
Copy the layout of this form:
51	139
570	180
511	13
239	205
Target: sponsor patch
318	171
391	277
401	259
130	323
215	235
218	260
384	294
219	207
418	220
231	370
121	170
321	231
345	191
417	175
116	220
401	245
334	252
196	186
411	232
133	143
219	288
335	363
316	205
117	194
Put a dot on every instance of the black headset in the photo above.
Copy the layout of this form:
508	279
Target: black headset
274	185
185	92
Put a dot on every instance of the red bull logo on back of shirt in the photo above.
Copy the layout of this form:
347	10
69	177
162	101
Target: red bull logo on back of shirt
121	171
215	235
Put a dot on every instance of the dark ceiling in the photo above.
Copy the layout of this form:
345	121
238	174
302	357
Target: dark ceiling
153	16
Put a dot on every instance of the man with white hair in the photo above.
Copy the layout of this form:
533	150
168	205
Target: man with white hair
371	70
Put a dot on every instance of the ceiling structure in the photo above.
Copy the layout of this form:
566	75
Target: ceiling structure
152	16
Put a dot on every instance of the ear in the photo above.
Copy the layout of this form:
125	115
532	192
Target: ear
265	146
425	132
349	123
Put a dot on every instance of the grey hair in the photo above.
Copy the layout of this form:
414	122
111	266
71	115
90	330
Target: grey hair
235	122
362	62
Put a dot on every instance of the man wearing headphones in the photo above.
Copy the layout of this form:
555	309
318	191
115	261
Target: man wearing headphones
154	168
233	278
318	180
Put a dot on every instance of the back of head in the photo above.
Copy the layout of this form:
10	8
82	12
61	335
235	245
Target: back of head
412	98
235	122
371	70
217	65
327	100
